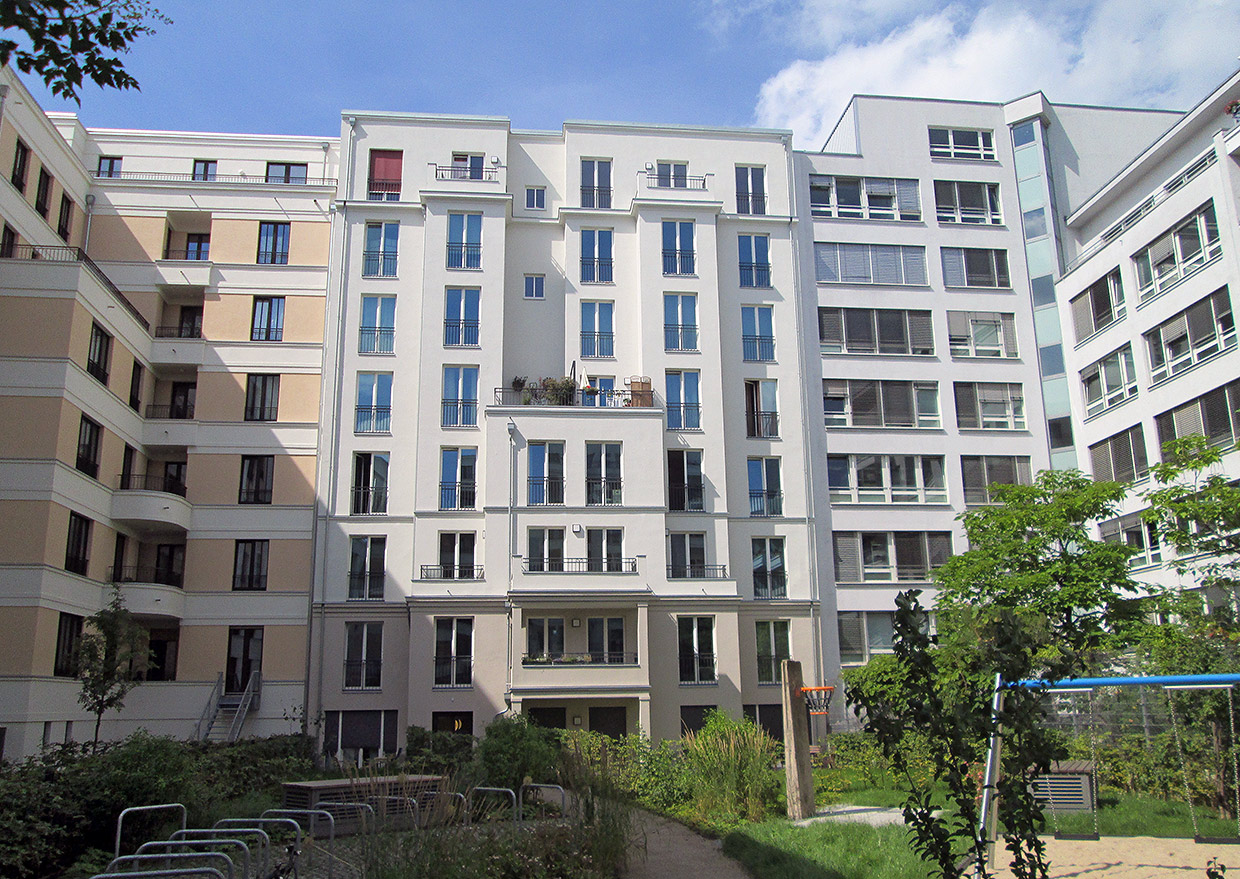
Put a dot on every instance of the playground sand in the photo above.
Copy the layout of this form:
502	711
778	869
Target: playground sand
1130	857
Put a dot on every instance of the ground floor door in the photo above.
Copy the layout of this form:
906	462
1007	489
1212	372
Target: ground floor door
245	656
610	720
548	716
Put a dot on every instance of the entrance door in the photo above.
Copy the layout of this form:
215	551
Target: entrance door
609	720
245	656
183	395
549	717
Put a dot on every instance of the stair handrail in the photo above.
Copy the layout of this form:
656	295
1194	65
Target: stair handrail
208	711
248	697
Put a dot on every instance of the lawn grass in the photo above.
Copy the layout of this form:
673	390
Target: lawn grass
1121	815
827	850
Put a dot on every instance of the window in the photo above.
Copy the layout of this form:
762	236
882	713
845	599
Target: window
868	555
974	267
886	479
1179	253
687	555
458	474
461	314
755	260
596	183
1110	381
981	333
980	472
766	496
43	193
363	656
1137	534
684	479
545	550
21	164
671	175
605	640
286	172
262	397
961	143
267	321
1120	457
758	333
875	331
64	221
204	169
1034	223
379	255
958	201
603	485
460	396
99	355
1195	334
890	264
89	437
773	649
273	239
678	256
8	242
454	642
466	166
990	406
377	334
456	557
367	567
77	546
600	392
769	576
135	386
374	403
535	198
696	643
680	330
683	400
869	403
197	246
1214	415
596	262
68	639
750	189
597	325
385	173
250	565
535	286
761	408
605	550
546	473
109	166
257	475
464	241
865	633
370	483
544	638
1099	306
864	198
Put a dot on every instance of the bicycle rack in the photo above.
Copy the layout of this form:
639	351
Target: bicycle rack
516	816
563	796
408	803
264	840
361	808
313	815
202	845
167	858
434	796
120	819
165	874
226	823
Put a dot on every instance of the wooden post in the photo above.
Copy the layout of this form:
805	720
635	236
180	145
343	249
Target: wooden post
796	744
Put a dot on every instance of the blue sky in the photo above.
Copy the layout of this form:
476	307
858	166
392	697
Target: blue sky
226	65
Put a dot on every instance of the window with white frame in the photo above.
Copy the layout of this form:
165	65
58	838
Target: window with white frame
545	473
1120	457
990	405
544	639
671	174
544	550
460	396
875	331
374	403
379	255
454	649
605	550
683	397
600	392
870	403
678	253
1178	253
377	333
1109	381
464	241
864	634
536	198
761	408
866	556
363	656
462	311
1099	306
598	329
457	553
755	260
1137	534
889	264
982	333
886	479
370	484
596	256
1214	415
770	578
680	327
603	480
773	647
757	333
686	555
535	286
696	649
1195	334
466	166
596	183
458	478
980	472
750	189
974	267
864	198
766	494
961	143
685	485
962	201
367	567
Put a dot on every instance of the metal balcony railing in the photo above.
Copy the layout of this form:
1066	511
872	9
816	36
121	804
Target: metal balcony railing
697	668
459	413
246	581
684	416
750	204
372	419
758	349
697	572
88	465
179	331
687	497
212	177
466	172
383	190
454	671
363	674
598	344
267	333
150	482
460	333
172	411
608	565
457	495
254	496
655	180
261	413
761	424
97	370
595	657
596	271
770	584
680	337
464	256
678	262
764	503
365	585
62	253
596	197
604	492
545	491
193	254
146	574
451	572
378	264
368	501
769	668
376	340
755	274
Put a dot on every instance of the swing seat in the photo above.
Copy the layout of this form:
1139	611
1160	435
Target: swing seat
1217	840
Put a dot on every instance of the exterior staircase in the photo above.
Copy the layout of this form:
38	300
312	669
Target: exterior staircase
224	714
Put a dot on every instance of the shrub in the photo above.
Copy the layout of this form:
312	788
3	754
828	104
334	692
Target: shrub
438	753
731	768
652	774
513	749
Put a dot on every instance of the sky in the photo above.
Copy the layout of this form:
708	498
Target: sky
292	67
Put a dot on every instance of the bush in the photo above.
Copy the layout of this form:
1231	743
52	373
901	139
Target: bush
731	768
652	774
438	753
513	749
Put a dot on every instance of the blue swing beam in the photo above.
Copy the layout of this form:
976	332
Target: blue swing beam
1204	681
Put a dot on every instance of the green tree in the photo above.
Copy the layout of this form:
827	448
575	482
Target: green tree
65	41
112	654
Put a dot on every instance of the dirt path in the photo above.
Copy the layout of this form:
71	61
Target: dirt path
1131	857
675	852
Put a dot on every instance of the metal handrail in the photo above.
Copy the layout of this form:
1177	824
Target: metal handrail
202	844
177	331
451	572
160	874
591	657
188	177
204	719
516	814
120	819
465	172
263	838
587	565
452	795
169	858
697	572
359	807
62	253
248	697
150	482
247	823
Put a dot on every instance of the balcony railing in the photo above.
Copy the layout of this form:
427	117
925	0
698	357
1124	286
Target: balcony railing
548	490
460	333
179	331
597	657
249	582
769	668
598	345
459	413
680	337
194	254
697	572
188	177
457	495
685	497
697	668
596	271
366	585
254	496
655	180
596	197
383	190
759	349
77	564
464	256
684	416
770	584
466	172
605	492
172	411
608	565
146	574
369	501
150	482
261	413
755	274
372	419
761	424
265	332
764	503
378	264
362	674
451	572
97	370
750	204
533	395
454	671
678	262
61	253
376	340
88	465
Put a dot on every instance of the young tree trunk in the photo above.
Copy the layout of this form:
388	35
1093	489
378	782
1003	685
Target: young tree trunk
98	720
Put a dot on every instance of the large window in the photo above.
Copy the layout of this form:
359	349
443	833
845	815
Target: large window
773	648
43	193
1138	535
545	550
367	567
886	479
257	476
605	550
286	172
680	328
696	648
458	478
1178	253
250	565
1195	334
598	329
961	143
981	333
683	400
374	403
596	183
1109	381
64	221
990	405
864	634
684	479
370	484
385	173
546	473
77	545
766	494
262	397
750	189
1214	415
460	396
755	260
90	434
456	557
864	556
686	555
204	170
21	166
68	640
382	246
603	482
974	267
377	333
544	639
464	241
980	472
678	255
1120	457
99	355
596	256
890	264
273	242
605	640
267	320
462	313
454	651
875	331
758	333
363	656
958	201
869	403
761	408
1101	305
868	198
770	578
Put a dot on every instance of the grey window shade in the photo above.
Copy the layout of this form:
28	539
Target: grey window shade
360	729
830	326
1100	460
920	332
826	262
1000	470
898	404
1201	321
1222	304
852	636
914	259
966	405
958	325
847	556
989	392
887	264
907	197
973	471
938	548
1110	530
859	329
864	397
1161	249
835	387
1082	316
1166	428
1140	462
1009	334
1175	327
1123	468
1024	471
1216	415
880	185
910	555
1233	405
892	330
945	195
1188	420
953	267
855	263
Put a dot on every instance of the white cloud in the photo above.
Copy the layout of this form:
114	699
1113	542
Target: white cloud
1153	53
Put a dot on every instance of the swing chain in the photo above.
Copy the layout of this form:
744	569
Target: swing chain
1235	752
1093	755
1179	749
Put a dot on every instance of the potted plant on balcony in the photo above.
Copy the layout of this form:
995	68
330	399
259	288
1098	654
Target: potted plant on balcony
559	391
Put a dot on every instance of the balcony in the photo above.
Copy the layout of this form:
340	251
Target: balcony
150	482
146	574
454	672
598	344
62	254
596	271
600	657
193	254
179	331
372	419
596	197
758	349
761	425
379	264
686	498
383	190
765	503
459	413
684	416
464	256
697	572
674	180
770	584
697	669
546	491
211	178
589	398
183	411
152	508
755	274
363	674
151	591
609	565
750	204
460	334
466	172
368	502
451	572
678	262
376	340
457	495
603	492
680	337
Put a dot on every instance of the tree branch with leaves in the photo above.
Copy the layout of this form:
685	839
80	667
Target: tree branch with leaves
111	656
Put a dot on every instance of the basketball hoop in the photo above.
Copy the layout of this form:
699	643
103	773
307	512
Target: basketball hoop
817	699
